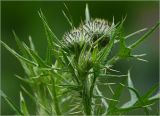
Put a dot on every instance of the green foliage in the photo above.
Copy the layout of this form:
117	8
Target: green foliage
67	81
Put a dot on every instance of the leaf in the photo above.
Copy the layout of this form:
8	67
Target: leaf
19	57
149	32
102	99
72	87
111	76
146	98
112	104
53	42
55	98
10	103
140	101
132	94
68	16
124	51
31	44
70	23
75	113
28	69
19	43
94	54
70	66
60	77
102	55
87	14
23	105
125	110
35	56
71	110
105	52
150	92
23	79
135	33
157	96
34	99
132	34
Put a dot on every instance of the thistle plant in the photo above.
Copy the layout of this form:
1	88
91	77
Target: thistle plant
68	81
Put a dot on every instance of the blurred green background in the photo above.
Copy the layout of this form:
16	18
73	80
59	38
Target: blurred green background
23	18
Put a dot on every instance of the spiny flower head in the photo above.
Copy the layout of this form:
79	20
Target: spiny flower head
98	28
75	39
88	33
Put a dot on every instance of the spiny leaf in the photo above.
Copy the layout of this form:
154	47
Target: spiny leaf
132	94
60	77
120	33
109	99
105	52
76	107
111	76
23	79
31	44
124	51
68	16
50	35
34	99
17	55
128	109
23	105
56	101
94	53
28	69
87	14
148	33
74	113
35	56
140	101
156	96
70	23
70	66
150	92
38	59
102	99
112	104
135	33
53	41
72	87
19	43
132	34
10	103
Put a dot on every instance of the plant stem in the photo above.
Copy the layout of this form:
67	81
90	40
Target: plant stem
57	109
92	87
86	98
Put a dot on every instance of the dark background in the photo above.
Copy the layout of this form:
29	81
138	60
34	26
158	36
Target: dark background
23	18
